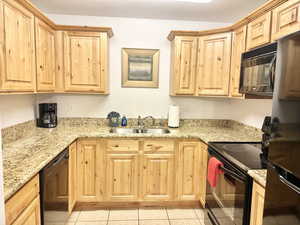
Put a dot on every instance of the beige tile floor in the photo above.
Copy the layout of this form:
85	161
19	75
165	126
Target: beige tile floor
145	216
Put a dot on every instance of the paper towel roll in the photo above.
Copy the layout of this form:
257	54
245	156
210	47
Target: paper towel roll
173	117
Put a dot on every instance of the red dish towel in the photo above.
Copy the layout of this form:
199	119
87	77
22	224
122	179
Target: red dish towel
213	171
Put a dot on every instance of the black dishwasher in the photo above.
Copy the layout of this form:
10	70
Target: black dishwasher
54	190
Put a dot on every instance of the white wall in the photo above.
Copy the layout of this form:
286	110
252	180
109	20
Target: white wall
16	109
145	33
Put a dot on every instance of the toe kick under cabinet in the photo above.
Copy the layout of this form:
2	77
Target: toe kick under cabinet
142	171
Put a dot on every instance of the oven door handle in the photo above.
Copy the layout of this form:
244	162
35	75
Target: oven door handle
289	184
233	174
272	72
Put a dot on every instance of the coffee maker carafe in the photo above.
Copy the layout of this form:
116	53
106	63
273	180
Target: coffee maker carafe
47	115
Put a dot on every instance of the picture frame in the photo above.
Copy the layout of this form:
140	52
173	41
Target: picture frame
140	68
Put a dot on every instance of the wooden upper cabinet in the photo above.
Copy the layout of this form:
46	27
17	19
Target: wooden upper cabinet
290	80
259	31
17	54
85	61
238	47
188	171
45	56
286	19
183	71
214	65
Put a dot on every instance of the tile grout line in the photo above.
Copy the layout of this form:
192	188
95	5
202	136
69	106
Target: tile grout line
168	216
108	217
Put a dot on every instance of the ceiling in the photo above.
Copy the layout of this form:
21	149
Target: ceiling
215	11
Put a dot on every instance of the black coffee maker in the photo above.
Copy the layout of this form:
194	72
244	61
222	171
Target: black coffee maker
47	115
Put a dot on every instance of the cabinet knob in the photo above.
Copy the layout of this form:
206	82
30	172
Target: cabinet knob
116	146
86	162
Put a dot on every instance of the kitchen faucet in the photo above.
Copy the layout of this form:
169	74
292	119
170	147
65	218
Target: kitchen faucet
141	120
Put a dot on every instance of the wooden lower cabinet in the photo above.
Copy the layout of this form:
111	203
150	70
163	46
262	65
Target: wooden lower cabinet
89	170
188	170
72	176
203	172
140	170
157	181
31	215
257	205
121	177
23	208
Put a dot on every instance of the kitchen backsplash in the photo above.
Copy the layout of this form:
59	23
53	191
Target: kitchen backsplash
26	129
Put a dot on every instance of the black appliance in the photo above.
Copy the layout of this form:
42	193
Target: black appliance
47	115
282	141
230	201
258	71
54	190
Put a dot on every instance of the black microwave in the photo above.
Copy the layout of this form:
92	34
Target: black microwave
258	71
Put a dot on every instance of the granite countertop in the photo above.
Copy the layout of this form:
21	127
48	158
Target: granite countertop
24	158
260	176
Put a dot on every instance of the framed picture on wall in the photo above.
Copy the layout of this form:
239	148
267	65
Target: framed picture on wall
140	68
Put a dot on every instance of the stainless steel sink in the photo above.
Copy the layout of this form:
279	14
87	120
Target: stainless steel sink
124	130
136	131
156	131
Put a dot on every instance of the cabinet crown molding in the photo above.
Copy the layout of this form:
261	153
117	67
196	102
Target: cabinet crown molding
268	6
38	13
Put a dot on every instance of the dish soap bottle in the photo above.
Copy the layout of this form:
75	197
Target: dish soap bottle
124	121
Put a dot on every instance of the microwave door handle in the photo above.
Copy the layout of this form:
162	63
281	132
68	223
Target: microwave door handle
272	72
289	184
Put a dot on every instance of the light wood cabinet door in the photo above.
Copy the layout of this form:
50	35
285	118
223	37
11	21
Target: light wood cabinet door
238	47
45	56
214	65
31	215
257	204
203	172
17	54
184	61
21	200
72	176
286	19
290	80
89	170
259	31
122	177
157	173
85	58
188	171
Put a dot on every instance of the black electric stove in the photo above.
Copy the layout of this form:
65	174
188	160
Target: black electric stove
231	196
245	155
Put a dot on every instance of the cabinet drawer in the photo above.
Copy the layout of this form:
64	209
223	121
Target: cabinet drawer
259	31
123	145
155	146
21	200
286	19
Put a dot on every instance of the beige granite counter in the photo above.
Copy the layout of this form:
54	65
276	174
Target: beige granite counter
260	176
25	157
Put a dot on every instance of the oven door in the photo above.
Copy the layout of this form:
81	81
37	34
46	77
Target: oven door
227	203
258	71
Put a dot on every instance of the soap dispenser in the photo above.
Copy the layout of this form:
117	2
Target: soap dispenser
124	121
